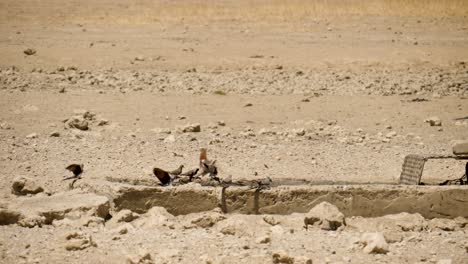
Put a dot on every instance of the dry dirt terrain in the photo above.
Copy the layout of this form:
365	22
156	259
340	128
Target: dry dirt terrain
330	92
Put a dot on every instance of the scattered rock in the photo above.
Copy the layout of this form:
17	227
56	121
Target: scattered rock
443	224
263	240
282	256
103	122
374	243
55	134
77	122
124	215
29	51
207	220
270	219
434	121
326	215
139	58
191	128
248	105
221	123
143	257
304	260
170	139
32	135
23	186
78	241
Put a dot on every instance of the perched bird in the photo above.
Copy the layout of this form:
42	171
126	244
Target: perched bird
190	173
77	170
207	166
177	172
262	184
163	176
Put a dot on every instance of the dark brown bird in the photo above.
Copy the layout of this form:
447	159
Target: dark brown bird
163	176
77	170
177	172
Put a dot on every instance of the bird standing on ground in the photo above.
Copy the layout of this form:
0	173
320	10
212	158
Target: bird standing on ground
77	170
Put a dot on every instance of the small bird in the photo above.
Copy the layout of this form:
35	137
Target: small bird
77	170
190	173
163	176
207	166
177	172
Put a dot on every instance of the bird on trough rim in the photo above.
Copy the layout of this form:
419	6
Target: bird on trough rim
177	171
207	166
163	176
190	173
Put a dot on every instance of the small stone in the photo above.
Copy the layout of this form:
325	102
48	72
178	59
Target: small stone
302	260
191	128
23	186
77	122
434	121
374	243
103	122
282	256
32	135
29	51
139	58
125	215
248	105
143	257
221	123
270	219
78	241
55	134
391	134
263	240
170	139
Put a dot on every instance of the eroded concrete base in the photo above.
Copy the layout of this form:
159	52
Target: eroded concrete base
356	200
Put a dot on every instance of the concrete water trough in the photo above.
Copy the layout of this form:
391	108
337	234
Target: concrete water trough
353	200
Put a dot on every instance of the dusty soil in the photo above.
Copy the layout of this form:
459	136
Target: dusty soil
338	99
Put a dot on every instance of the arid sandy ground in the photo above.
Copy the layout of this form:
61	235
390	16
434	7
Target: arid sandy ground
331	99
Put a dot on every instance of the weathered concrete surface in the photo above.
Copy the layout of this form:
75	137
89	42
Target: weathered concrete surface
44	210
357	200
138	198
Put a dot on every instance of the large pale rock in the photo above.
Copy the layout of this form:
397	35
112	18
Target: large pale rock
443	224
123	216
243	226
23	186
461	149
206	220
44	210
155	217
78	241
374	243
326	215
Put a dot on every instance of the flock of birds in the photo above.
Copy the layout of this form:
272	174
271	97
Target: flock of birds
167	178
